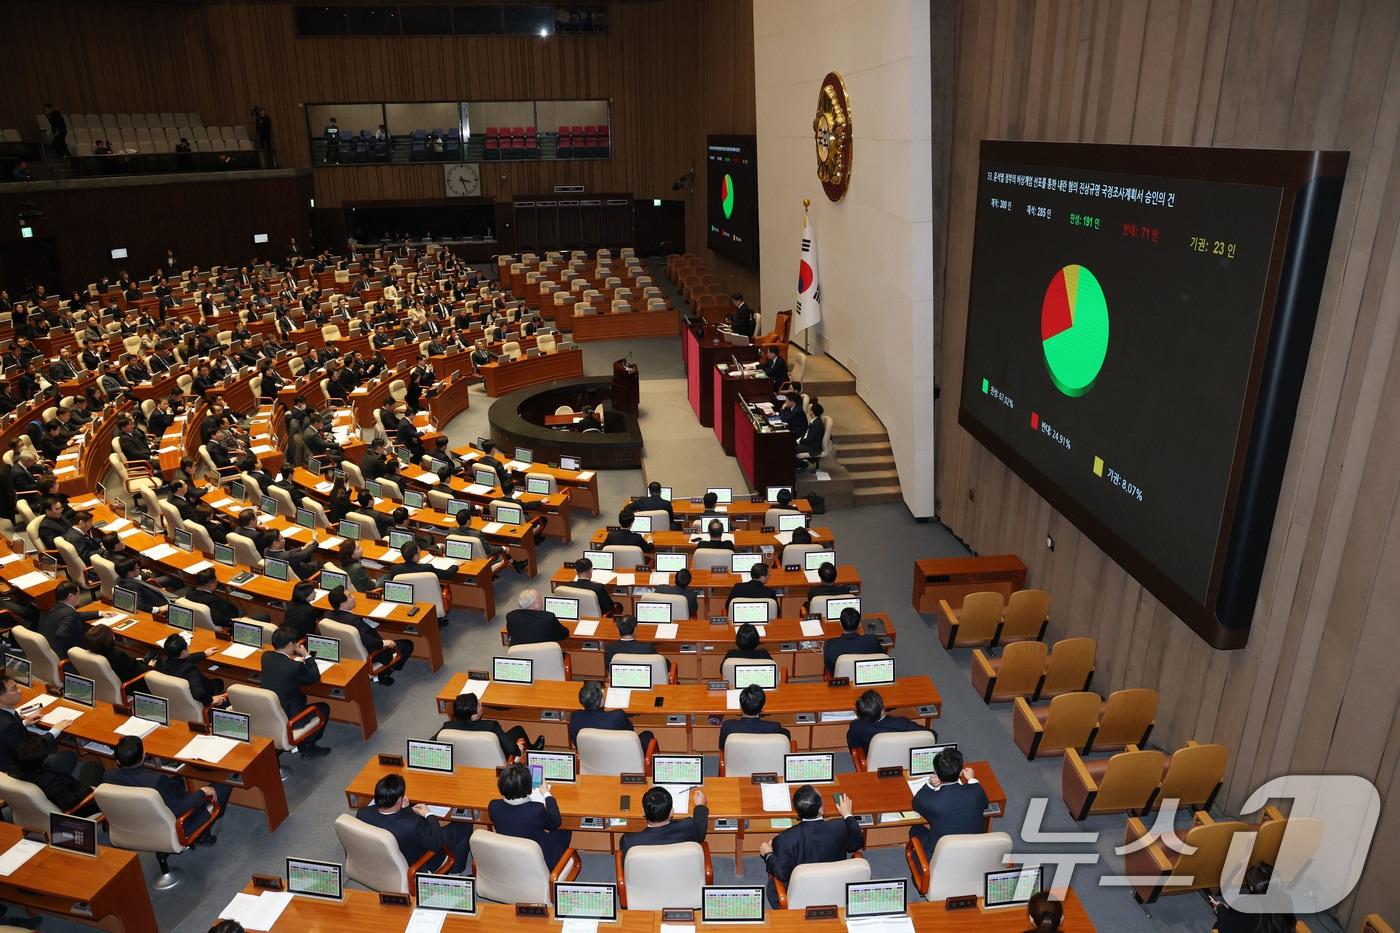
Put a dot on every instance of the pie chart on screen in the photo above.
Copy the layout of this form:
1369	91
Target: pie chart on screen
1074	330
726	196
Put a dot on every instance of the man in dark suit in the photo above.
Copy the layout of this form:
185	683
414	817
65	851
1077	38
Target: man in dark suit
774	366
952	802
871	721
812	840
130	772
593	716
161	417
756	586
812	439
850	641
79	534
744	322
134	445
411	564
177	661
714	537
417	831
653	501
52	525
627	642
792	414
406	435
682	588
222	611
751	700
531	625
285	670
14	728
826	573
64	626
467	716
391	656
625	535
583	580
661	828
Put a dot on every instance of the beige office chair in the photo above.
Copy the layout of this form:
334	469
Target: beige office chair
285	506
587	601
680	606
546	341
608	751
661	672
245	552
427	588
106	573
474	749
252	487
707	558
268	719
199	534
744	755
797	553
660	518
653	877
373	858
546	477
550	661
511	870
107	687
139	820
369	531
626	557
29	805
958	864
352	648
44	664
891	749
73	565
180	702
813	883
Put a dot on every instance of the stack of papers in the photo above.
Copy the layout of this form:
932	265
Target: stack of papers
586	628
138	727
390	556
617	698
659	578
39	702
60	716
811	628
221	503
478	489
17	854
880	925
731	699
33	578
517	466
585	475
159	552
110	619
127	533
10	559
381	611
197	566
332	543
680	797
776	798
210	748
578	925
477	687
238	651
667	631
323	665
423	920
812	576
258	911
624	579
603	576
428	479
445	563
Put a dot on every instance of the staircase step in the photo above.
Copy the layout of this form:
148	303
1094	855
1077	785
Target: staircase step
874	495
844	450
867	464
871	437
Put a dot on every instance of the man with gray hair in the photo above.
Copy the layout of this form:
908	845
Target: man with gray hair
531	625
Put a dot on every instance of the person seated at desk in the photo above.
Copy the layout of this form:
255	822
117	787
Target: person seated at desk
339	501
826	573
53	442
350	559
132	576
653	502
746	645
285	670
380	651
661	828
682	588
468	716
302	559
751	721
591	715
627	642
247	526
951	801
160	418
588	421
756	586
714	537
132	442
176	660
410	553
62	790
100	641
389	415
15	728
583	579
531	625
793	416
850	641
131	772
624	534
812	439
300	614
481	545
379	462
320	438
489	460
871	720
813	839
222	612
1046	914
420	378
180	498
518	814
51	525
481	355
63	626
406	434
773	365
415	829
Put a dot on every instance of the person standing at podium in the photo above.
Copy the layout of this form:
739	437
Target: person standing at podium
744	322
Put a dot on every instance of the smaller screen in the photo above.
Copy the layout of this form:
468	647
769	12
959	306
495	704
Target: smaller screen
921	759
182	617
513	670
446	892
239	490
509	515
18	669
228	724
558	766
223	554
750	610
349	530
731	904
314	879
873	898
268	505
73	834
152	708
1013	886
414	499
372	487
323	648
398	539
459	549
184	540
660	613
524	454
743	563
401	593
670	563
813	768
813	560
642	524
631	676
874	671
774	490
276	569
791	521
456	505
78	689
563	607
485	477
764	675
835	605
430	756
306	518
678	769
601	560
575	901
537	485
570	463
723	494
124	599
334	580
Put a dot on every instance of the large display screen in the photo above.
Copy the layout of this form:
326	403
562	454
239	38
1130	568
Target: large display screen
731	210
1131	354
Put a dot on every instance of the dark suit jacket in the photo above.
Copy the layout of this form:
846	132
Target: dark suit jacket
201	688
753	589
531	820
302	617
12	732
653	504
614	719
687	829
134	446
62	789
757	654
172	792
534	626
811	441
746	726
508	747
612	648
720	545
848	643
859	732
64	627
776	369
416	835
629	537
692	597
221	611
952	809
605	603
813	841
285	677
50	528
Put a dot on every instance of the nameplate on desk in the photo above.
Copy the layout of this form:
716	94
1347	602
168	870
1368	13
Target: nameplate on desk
768	529
551	715
826	912
267	882
394	900
791	568
928	709
478	675
532	910
763	777
719	620
962	902
893	771
391	761
677	915
839	682
614	527
626	778
757	499
569	565
806	719
198	728
121	710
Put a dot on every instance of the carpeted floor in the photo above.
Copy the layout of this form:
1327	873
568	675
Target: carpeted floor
881	541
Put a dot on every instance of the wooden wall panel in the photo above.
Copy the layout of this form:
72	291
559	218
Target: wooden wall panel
1315	689
673	70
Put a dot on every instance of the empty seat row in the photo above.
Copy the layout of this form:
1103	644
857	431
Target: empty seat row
124	120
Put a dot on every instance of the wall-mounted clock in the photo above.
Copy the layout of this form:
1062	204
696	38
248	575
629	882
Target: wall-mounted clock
832	131
462	180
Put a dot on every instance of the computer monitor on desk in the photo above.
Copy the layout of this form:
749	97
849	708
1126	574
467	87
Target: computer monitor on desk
671	562
563	607
601	560
451	893
310	878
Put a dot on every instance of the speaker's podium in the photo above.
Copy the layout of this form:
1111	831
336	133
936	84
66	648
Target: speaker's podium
704	345
626	391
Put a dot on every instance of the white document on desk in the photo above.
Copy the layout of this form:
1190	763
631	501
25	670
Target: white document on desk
603	577
130	532
659	578
60	716
17	854
479	489
223	503
578	925
261	449
137	727
517	466
210	748
11	558
776	798
41	701
617	698
625	579
676	928
439	811
428	479
159	552
332	543
731	699
916	784
391	556
33	578
492	528
445	563
477	687
586	628
665	631
880	925
585	475
238	652
423	920
381	611
323	665
812	576
289	531
197	566
107	621
324	486
811	628
257	911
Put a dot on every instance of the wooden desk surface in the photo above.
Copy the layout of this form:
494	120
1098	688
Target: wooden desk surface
781	580
503	378
743	539
112	885
703	632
